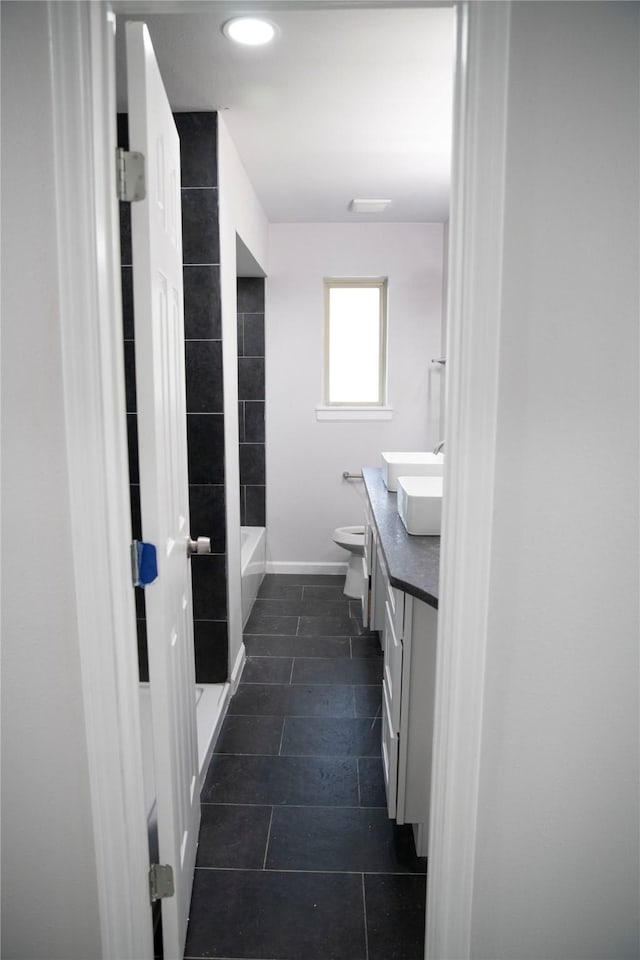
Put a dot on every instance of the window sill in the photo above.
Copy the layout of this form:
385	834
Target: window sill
354	413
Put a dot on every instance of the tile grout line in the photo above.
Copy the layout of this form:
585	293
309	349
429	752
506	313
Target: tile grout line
353	873
358	783
284	656
290	806
268	656
306	756
266	848
303	716
317	683
284	720
364	910
293	661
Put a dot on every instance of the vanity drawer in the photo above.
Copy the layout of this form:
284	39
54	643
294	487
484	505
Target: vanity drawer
369	540
392	668
365	595
378	592
389	757
394	597
368	554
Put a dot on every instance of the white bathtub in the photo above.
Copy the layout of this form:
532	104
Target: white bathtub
252	563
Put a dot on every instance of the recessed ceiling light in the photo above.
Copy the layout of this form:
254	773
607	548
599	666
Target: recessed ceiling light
252	31
368	206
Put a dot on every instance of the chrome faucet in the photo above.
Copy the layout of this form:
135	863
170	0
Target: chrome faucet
438	447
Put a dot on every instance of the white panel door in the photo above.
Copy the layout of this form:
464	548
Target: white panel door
160	381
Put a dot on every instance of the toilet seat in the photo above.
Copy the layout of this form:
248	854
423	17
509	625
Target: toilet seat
349	536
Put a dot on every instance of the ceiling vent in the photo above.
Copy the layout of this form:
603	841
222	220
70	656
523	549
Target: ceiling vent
368	206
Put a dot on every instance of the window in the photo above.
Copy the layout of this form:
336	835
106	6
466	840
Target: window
355	372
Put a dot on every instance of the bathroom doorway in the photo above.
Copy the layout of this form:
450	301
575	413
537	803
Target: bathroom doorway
224	414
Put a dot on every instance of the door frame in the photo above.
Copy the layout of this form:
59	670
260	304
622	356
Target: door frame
83	113
84	124
473	332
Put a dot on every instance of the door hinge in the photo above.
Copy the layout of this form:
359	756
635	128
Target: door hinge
131	178
161	881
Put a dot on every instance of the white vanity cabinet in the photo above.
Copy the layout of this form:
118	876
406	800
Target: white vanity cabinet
408	687
376	590
368	564
408	628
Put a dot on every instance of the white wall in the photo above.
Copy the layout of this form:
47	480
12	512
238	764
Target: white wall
306	495
557	858
240	215
49	887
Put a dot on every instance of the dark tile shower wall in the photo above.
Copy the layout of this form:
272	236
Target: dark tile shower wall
251	400
205	412
205	409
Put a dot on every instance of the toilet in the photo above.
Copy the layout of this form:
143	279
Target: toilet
352	539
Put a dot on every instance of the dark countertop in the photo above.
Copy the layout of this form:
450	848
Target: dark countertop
413	562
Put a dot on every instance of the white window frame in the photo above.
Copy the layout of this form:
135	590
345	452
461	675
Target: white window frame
376	410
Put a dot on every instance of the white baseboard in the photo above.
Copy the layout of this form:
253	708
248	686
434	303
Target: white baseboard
234	678
291	566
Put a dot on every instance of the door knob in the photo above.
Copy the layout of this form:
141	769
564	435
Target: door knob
201	545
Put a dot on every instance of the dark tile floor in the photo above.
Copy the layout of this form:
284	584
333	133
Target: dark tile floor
297	858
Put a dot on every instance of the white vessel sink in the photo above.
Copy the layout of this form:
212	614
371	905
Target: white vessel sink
420	504
396	465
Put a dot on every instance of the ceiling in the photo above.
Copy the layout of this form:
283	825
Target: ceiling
349	101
